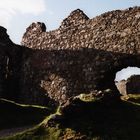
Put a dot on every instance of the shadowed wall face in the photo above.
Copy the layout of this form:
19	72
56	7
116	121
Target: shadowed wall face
9	59
133	84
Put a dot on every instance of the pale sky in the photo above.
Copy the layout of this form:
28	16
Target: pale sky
17	15
125	73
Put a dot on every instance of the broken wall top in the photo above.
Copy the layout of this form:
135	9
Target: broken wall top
116	31
81	56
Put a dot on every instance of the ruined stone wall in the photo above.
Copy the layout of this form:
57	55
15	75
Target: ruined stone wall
2	71
116	31
81	56
4	43
133	84
10	65
129	86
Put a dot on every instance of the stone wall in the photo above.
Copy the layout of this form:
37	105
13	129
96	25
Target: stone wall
116	31
5	46
81	56
121	86
133	84
129	86
10	66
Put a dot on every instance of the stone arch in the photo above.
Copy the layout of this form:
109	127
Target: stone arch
86	54
127	81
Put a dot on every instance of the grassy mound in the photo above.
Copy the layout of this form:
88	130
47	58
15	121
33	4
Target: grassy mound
98	120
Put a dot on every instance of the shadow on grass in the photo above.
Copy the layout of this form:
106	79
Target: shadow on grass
15	115
116	121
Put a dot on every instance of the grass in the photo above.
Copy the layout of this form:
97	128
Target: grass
110	120
15	115
132	98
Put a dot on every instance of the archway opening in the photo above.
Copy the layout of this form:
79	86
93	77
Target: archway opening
127	82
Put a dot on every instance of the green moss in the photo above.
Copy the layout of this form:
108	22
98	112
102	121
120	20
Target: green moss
53	133
93	97
87	97
16	115
118	120
22	105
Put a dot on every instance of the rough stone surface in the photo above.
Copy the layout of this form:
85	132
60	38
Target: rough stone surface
129	86
81	56
133	84
121	86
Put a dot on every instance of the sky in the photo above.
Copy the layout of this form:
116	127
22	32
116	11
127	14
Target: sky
17	15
